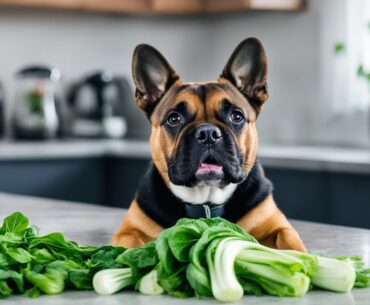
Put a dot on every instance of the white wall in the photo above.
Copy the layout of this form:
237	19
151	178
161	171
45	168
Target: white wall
197	47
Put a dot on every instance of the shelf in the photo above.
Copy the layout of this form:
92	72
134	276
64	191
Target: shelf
55	4
220	6
160	6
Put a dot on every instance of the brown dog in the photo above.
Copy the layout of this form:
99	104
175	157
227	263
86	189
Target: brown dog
204	146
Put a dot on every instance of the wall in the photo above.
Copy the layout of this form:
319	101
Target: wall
197	47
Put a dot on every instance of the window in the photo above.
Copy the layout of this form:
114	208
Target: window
351	69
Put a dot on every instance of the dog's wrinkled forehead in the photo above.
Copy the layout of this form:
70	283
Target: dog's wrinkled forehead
243	79
202	101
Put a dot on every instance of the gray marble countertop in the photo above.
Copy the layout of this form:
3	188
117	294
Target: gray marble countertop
91	224
333	159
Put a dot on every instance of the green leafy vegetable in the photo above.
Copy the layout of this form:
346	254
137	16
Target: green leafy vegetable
149	284
52	281
105	257
47	264
110	281
362	273
335	275
20	255
276	272
15	223
202	257
16	277
140	260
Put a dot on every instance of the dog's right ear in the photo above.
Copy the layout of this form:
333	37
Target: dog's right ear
152	75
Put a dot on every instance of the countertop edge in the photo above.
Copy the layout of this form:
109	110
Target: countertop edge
315	158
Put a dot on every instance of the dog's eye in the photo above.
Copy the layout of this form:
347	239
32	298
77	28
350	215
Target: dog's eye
236	116
174	119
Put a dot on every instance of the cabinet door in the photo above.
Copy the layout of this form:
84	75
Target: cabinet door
300	194
350	199
122	178
78	180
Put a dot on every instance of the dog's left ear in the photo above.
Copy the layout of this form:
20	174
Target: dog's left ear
247	70
152	75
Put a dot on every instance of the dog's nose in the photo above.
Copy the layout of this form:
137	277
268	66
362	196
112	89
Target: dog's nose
208	134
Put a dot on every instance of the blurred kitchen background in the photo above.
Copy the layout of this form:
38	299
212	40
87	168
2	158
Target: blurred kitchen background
71	129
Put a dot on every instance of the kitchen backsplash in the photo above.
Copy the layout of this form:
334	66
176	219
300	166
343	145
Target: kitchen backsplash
79	43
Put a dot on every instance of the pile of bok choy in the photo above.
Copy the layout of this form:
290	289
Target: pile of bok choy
203	257
215	258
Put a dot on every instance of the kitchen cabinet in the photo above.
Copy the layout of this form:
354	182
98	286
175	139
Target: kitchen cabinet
300	194
324	184
349	199
73	179
160	6
123	176
104	181
330	197
313	195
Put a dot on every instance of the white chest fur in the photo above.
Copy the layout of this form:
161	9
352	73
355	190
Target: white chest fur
203	194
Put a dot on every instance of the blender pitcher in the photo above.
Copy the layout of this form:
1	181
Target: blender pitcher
38	99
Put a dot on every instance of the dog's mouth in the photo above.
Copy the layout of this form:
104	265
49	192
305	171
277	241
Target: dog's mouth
210	171
209	166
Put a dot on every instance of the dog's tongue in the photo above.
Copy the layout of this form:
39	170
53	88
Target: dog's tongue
206	168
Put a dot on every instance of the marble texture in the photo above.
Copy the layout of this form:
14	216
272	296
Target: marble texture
356	160
90	224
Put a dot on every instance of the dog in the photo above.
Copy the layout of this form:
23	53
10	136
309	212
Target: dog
204	150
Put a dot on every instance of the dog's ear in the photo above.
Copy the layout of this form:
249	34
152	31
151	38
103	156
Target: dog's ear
247	70
152	75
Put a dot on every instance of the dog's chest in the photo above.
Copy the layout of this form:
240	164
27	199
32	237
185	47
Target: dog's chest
203	194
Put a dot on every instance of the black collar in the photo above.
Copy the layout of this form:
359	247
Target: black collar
204	210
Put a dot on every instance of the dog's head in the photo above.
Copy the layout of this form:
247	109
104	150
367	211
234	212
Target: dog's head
203	133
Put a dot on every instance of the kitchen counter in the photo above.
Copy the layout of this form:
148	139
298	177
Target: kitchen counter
333	159
90	224
73	148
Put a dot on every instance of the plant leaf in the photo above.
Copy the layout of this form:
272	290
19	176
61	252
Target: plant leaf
81	278
5	290
16	277
339	47
141	260
361	71
20	255
15	223
105	258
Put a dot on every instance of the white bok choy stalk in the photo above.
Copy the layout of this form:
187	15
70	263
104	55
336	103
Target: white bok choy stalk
335	275
224	283
274	271
109	281
149	284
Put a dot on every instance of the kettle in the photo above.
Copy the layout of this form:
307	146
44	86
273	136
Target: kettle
97	103
38	99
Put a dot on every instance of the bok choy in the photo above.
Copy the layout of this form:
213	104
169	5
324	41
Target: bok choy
202	257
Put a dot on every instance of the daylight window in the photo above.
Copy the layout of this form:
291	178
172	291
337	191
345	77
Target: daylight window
351	72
